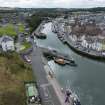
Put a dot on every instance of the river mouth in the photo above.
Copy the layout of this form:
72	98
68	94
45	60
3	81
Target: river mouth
87	80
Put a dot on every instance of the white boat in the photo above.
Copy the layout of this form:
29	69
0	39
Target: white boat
73	96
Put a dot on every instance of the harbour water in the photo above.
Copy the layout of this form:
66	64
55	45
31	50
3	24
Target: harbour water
87	79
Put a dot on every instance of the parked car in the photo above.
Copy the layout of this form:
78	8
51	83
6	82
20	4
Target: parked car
27	59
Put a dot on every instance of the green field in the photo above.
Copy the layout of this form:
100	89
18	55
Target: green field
21	28
27	45
10	30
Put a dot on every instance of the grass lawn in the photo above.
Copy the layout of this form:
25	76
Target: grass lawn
9	29
26	45
13	73
21	27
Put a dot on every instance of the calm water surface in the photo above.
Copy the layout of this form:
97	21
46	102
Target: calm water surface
87	79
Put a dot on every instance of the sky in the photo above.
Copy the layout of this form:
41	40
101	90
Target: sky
52	3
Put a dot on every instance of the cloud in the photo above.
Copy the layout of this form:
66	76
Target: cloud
53	3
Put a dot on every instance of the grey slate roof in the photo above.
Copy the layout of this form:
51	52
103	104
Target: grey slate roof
6	38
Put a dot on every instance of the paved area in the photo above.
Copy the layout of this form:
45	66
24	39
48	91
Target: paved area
61	95
47	92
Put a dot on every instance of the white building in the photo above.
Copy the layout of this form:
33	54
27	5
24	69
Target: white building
84	43
73	37
95	45
7	43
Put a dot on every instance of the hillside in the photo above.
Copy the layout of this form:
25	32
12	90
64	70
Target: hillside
13	73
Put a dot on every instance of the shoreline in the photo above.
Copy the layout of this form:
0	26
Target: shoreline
86	54
79	51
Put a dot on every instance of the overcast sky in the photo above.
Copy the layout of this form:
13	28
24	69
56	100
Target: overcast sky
53	3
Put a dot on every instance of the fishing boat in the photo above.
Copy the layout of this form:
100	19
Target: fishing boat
62	61
59	61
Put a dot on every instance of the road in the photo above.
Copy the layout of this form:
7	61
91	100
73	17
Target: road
46	90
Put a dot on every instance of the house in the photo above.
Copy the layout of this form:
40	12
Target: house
92	43
97	46
73	37
7	43
84	43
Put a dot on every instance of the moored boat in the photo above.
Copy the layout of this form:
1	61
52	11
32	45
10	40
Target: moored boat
59	61
62	61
